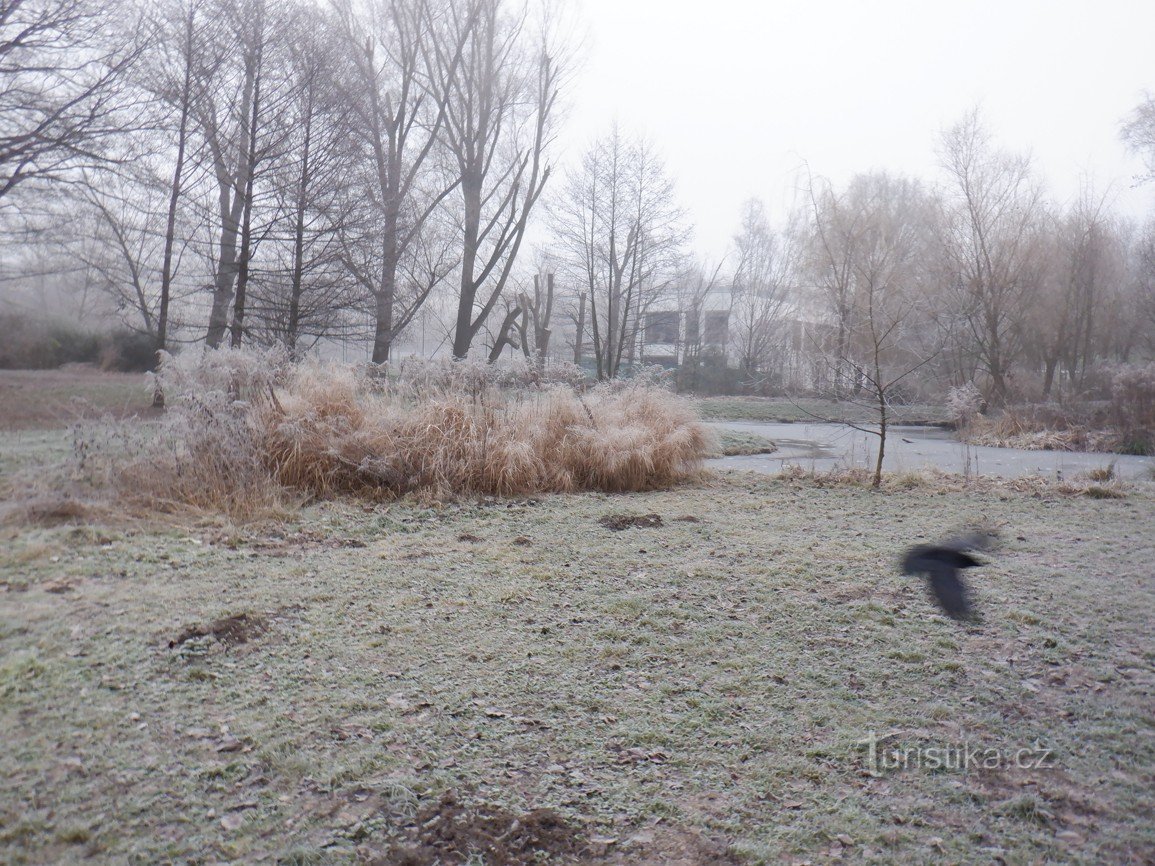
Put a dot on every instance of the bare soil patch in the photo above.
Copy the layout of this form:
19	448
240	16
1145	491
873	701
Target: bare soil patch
450	831
618	522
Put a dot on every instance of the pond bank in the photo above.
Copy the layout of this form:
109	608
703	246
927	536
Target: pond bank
826	446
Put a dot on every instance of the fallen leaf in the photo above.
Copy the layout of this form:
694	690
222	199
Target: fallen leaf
233	821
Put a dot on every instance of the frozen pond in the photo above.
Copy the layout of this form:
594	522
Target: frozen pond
824	446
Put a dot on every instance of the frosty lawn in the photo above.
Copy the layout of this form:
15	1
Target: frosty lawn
672	692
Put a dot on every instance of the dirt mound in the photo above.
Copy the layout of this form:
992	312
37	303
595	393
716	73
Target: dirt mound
450	832
229	630
618	522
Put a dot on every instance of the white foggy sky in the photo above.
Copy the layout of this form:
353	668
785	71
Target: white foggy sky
737	94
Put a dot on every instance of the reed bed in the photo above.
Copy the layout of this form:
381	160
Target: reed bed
248	431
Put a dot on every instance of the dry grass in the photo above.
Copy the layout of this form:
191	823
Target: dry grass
1124	424
1096	484
1032	429
327	435
247	433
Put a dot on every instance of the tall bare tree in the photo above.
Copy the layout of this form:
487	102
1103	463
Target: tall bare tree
832	237
989	234
498	126
761	291
301	289
1139	134
620	232
244	90
404	59
172	75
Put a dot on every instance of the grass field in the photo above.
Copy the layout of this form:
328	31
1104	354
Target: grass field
805	409
511	681
46	399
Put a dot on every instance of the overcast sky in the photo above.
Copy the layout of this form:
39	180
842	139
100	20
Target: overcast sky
739	94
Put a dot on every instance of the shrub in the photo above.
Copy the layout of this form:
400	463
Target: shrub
964	404
1132	407
45	344
203	452
127	351
31	344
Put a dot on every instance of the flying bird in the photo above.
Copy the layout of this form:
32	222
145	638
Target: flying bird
941	564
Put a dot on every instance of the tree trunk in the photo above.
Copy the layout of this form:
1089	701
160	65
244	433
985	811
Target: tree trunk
247	220
503	338
173	201
882	425
463	331
293	327
581	327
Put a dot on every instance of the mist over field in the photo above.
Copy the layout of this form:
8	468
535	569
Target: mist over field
657	432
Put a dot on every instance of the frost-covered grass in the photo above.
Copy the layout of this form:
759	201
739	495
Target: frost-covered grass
810	410
708	678
53	399
734	443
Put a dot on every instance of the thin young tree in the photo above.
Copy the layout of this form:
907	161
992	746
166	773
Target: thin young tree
885	265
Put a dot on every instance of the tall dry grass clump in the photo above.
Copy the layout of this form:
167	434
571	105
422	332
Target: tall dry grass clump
330	431
1133	407
247	432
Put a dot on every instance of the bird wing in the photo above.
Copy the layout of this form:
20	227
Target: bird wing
977	539
948	588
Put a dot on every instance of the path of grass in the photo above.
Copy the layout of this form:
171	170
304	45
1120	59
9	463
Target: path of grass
660	687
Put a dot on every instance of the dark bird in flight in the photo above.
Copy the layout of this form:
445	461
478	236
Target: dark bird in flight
941	564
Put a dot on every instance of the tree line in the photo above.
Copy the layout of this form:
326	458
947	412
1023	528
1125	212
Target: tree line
289	171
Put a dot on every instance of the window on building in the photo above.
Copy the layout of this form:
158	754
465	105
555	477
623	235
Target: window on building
717	326
662	328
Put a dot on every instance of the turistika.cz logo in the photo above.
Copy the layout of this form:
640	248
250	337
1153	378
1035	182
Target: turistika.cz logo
882	758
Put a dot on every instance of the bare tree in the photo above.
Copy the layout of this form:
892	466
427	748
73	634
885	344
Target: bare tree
620	233
538	313
989	231
831	240
1083	266
697	281
244	91
891	336
62	89
760	292
121	220
172	75
301	288
1139	134
398	81
498	125
1142	266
